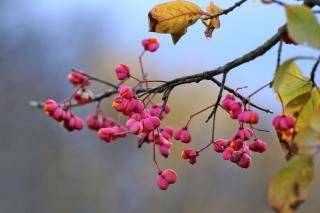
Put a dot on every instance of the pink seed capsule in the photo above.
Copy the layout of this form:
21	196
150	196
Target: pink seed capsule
134	126
220	145
169	175
78	79
122	72
283	123
94	122
258	146
227	153
164	150
162	183
119	103
119	131
236	110
249	117
244	161
58	114
183	135
237	143
108	122
106	134
189	154
150	44
167	132
50	106
244	134
126	92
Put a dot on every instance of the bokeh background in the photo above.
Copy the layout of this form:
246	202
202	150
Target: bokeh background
43	168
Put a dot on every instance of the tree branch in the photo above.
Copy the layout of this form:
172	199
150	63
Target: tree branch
207	75
226	11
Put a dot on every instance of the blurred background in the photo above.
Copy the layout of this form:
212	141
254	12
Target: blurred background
44	168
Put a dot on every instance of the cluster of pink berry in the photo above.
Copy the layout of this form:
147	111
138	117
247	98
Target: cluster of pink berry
62	113
143	121
70	121
236	150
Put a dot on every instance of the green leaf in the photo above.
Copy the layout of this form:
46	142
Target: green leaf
290	186
305	111
290	83
303	26
308	139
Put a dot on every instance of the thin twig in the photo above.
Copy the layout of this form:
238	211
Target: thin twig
196	78
226	11
278	58
314	69
238	95
214	110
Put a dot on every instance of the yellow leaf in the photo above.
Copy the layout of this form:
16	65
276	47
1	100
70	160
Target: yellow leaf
174	18
213	23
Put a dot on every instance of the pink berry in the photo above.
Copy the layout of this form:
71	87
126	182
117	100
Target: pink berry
244	161
162	183
237	143
150	123
78	79
283	123
183	135
108	122
189	154
150	44
126	92
106	134
122	72
258	146
94	122
50	106
58	114
134	126
164	148
249	117
169	175
167	132
235	110
74	123
227	153
220	145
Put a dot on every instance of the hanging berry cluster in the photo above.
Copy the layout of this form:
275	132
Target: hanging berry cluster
144	119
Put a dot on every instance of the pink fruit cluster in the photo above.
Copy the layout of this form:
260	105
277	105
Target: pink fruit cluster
143	119
70	121
237	150
166	178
